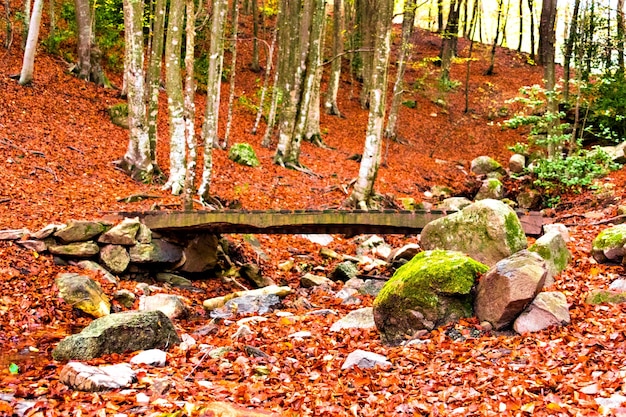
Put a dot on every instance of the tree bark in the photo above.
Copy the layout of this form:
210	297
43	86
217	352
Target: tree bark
368	170
136	161
154	74
255	65
190	108
408	23
233	71
28	64
569	49
214	77
330	104
499	30
547	32
448	44
532	29
621	29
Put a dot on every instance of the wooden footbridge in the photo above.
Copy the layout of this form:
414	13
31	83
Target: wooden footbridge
350	222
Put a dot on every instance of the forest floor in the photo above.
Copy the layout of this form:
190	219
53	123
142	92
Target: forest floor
57	148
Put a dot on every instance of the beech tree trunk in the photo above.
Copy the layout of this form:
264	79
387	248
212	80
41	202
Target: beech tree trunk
546	32
255	65
448	44
621	29
190	108
408	23
569	49
368	170
83	21
28	64
174	88
154	74
136	161
214	80
531	6
8	40
233	71
499	30
330	104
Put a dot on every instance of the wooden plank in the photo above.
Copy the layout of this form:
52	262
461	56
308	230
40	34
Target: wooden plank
292	222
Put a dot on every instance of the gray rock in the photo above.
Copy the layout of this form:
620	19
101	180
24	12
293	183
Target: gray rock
79	231
557	227
152	357
247	304
83	293
490	188
171	305
528	199
552	248
144	235
618	285
124	233
365	360
508	287
252	273
309	281
157	251
75	250
94	266
119	333
200	254
610	243
454	204
173	280
484	165
344	271
407	252
304	334
517	163
34	245
115	258
347	296
372	287
432	289
125	298
83	377
547	309
13	234
487	231
362	318
47	231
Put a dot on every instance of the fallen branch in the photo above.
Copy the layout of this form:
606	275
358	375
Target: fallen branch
46	169
11	144
4	200
617	220
76	149
136	197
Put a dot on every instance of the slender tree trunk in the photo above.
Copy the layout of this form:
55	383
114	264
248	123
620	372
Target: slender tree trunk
520	40
8	40
83	22
136	161
569	49
440	24
28	65
448	44
531	7
366	19
233	71
546	31
330	104
313	131
154	74
254	65
27	16
408	23
368	170
547	49
174	88
211	117
492	55
190	108
621	29
268	70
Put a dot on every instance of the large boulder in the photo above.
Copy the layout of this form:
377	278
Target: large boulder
431	290
83	293
547	309
553	249
119	333
610	244
509	286
487	231
200	254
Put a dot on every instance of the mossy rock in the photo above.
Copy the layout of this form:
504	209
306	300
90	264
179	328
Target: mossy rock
243	154
609	245
119	115
553	249
432	289
605	297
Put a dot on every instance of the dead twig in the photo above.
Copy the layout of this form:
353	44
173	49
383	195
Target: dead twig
136	197
4	200
76	149
46	169
11	144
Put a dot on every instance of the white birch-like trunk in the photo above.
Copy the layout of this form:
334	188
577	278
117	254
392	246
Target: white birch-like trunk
233	71
214	77
259	114
28	65
190	107
174	88
136	161
368	170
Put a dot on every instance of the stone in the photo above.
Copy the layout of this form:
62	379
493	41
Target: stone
517	163
124	297
83	293
309	280
509	287
487	231
407	252
152	357
609	245
528	199
347	296
547	309
440	192
144	235
119	333
596	297
243	153
484	165
320	239
174	280
13	234
171	305
94	266
82	377
618	285
34	245
372	287
432	289
557	227
157	251
365	360
115	258
362	318
124	233
553	249
79	231
75	250
200	254
47	231
344	271
490	188
454	204
246	304
329	253
252	273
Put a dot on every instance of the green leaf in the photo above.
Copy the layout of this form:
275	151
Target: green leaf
14	369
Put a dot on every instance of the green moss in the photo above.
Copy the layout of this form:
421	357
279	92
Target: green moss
602	297
515	237
612	237
493	184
